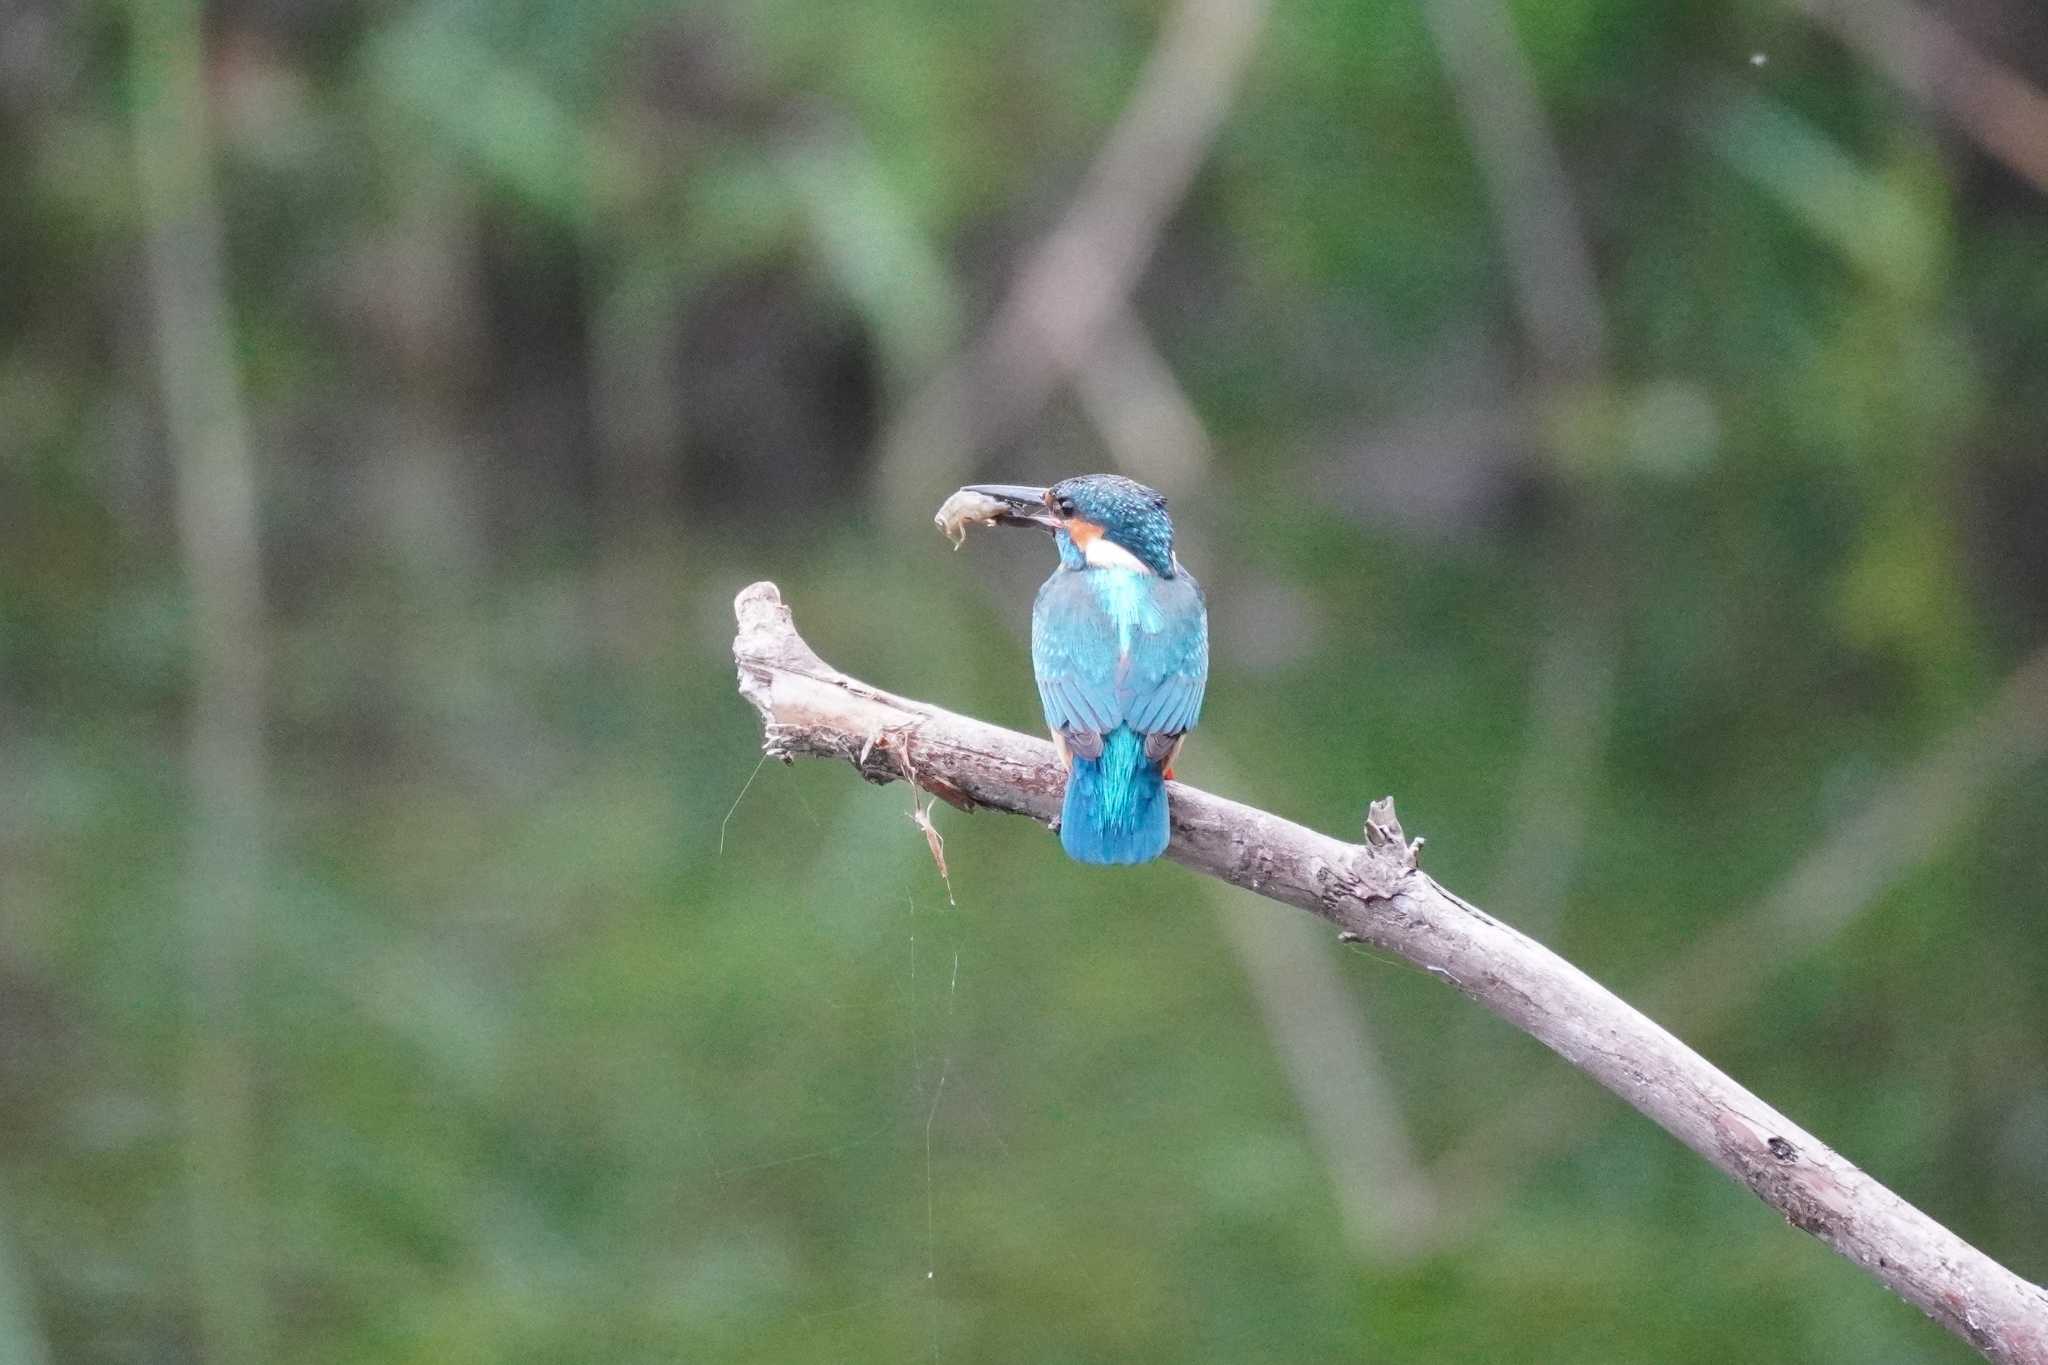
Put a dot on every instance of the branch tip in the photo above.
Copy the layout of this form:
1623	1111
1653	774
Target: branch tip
1382	826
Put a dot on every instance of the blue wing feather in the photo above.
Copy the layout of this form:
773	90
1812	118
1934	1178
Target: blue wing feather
1172	707
1074	693
1114	648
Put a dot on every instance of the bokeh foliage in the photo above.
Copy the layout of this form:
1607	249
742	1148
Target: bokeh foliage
559	322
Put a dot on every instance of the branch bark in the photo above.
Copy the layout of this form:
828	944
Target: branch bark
1374	892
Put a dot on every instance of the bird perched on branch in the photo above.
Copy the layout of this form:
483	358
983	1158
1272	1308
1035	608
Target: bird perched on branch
1120	646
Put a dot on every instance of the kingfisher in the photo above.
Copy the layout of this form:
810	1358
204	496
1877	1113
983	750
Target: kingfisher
1120	648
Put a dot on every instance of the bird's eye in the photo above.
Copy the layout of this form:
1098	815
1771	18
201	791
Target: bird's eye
1063	505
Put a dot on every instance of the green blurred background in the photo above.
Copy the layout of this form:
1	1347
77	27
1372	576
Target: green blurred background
1614	428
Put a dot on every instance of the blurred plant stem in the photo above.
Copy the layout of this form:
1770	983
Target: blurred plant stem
1355	1118
21	1336
1557	297
1924	53
1078	278
1547	256
1571	708
425	493
1143	413
216	514
635	348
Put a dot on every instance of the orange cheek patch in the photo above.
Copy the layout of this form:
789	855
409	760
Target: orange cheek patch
1084	533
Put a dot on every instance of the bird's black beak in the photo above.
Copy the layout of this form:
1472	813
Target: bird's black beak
1021	505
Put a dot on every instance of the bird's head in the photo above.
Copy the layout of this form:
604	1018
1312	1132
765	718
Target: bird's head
1100	519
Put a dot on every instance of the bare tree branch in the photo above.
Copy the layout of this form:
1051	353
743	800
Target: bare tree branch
1375	892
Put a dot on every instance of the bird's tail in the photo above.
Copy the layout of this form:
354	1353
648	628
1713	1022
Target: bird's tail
1115	810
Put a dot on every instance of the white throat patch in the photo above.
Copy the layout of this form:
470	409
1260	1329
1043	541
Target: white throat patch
1104	553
